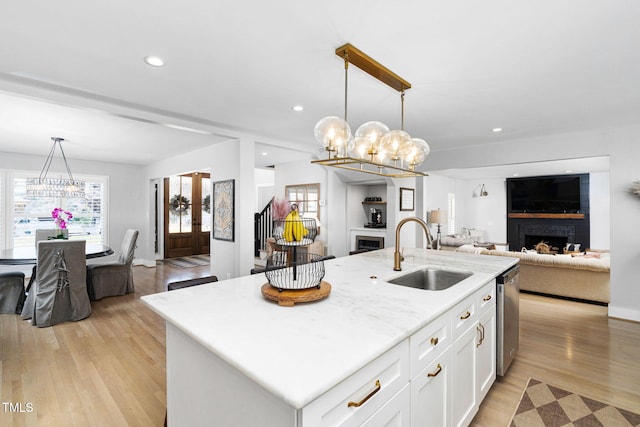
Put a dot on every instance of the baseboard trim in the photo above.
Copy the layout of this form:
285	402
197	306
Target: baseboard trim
624	313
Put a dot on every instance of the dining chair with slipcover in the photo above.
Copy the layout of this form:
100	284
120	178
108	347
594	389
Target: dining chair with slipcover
12	294
59	292
114	278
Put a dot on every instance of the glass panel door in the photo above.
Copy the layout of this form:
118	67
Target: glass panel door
187	214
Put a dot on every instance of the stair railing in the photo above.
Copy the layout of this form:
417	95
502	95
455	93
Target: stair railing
263	228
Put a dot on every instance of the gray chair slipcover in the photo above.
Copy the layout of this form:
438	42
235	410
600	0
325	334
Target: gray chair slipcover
59	293
11	292
115	278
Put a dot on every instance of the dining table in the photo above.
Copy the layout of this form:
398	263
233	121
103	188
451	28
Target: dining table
27	254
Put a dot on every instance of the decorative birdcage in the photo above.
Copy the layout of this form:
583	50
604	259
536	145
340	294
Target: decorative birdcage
288	270
297	232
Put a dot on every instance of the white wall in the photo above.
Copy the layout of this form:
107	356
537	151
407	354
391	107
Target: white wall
487	213
437	189
336	240
599	207
621	145
265	187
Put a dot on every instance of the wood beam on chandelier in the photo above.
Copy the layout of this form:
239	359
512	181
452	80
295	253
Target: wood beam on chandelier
372	67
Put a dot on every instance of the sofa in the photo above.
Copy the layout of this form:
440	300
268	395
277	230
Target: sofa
576	276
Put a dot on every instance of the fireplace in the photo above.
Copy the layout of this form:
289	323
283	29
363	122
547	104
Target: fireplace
555	242
553	235
369	243
526	233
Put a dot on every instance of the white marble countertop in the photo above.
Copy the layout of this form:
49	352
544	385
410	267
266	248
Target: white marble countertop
321	343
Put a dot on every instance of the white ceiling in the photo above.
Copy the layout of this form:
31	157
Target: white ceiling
75	70
556	167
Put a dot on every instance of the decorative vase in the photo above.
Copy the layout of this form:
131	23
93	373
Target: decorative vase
59	234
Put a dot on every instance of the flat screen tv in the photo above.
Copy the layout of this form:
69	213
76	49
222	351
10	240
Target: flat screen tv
552	194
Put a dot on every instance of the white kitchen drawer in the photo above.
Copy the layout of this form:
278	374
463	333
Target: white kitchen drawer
381	379
486	297
429	342
464	314
394	413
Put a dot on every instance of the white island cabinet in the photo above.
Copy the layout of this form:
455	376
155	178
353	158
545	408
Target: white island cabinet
371	354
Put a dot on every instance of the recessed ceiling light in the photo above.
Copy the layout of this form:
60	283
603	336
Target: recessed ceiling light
297	108
568	171
496	130
154	61
264	153
516	174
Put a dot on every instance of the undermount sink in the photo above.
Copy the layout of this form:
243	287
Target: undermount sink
431	279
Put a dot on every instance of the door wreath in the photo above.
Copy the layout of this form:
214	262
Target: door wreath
179	204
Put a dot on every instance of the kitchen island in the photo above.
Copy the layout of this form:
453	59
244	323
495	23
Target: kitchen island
235	358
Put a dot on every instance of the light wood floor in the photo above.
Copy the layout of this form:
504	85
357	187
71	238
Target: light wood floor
109	369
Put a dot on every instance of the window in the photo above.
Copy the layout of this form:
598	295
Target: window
25	215
307	197
451	213
180	205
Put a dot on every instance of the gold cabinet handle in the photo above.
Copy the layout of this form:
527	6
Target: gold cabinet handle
367	397
435	374
480	329
465	316
434	341
487	298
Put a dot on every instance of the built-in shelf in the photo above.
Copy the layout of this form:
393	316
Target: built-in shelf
374	203
547	215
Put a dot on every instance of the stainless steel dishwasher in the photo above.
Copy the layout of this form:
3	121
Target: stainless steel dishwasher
507	318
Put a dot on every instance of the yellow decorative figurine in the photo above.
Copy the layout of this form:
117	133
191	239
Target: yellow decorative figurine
294	229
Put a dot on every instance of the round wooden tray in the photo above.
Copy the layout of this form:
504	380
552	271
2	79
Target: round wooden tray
288	297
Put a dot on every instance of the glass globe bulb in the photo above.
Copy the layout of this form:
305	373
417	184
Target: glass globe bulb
359	148
395	141
382	156
423	151
332	132
373	132
415	152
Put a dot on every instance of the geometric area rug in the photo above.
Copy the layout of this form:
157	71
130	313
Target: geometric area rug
189	261
545	405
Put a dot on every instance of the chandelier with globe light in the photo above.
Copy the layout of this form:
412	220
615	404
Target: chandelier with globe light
374	148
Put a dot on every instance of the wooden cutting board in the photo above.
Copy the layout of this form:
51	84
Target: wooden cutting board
289	297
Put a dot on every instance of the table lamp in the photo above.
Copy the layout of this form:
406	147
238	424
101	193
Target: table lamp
438	217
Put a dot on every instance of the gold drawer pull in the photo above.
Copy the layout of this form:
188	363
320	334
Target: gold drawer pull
434	341
480	328
435	374
487	298
367	397
465	316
